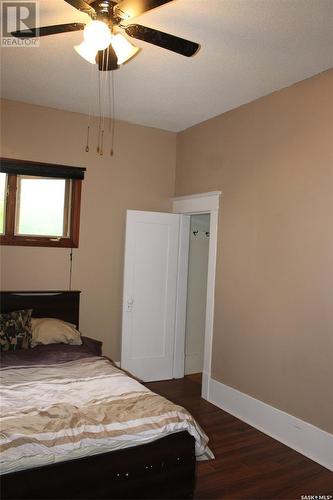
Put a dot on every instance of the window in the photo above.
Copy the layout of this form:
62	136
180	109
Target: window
42	206
39	204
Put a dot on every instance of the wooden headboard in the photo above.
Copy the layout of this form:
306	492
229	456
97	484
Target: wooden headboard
63	305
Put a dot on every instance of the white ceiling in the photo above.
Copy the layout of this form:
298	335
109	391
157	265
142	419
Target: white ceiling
249	49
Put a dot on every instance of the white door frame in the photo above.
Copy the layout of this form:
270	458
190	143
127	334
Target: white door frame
191	205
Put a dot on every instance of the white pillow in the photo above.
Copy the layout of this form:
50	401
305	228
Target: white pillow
54	331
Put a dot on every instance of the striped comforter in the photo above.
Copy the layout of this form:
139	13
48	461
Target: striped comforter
55	412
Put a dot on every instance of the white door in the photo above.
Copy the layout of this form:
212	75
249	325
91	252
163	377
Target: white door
150	294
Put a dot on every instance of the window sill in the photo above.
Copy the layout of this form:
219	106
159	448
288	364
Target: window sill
37	241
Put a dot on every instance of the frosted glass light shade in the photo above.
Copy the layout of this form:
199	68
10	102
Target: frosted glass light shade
87	52
97	34
123	48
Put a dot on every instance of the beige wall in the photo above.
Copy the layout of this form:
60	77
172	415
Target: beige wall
140	176
273	160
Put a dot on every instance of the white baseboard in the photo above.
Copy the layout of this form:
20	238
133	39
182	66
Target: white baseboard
301	436
205	385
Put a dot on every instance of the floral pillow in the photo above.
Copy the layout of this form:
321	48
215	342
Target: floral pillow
15	330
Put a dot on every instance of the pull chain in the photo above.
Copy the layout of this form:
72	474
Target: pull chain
106	92
101	145
89	118
112	118
100	112
104	98
88	135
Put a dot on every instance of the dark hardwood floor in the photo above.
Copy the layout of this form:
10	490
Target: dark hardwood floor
248	464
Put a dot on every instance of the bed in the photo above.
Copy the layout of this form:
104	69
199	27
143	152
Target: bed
162	467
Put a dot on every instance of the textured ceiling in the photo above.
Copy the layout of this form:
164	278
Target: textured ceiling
249	49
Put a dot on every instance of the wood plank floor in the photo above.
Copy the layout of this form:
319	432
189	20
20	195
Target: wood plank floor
248	464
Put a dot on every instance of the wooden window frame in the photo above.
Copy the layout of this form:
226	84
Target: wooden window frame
10	238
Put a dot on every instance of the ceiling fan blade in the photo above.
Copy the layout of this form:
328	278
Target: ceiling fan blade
107	59
48	30
133	8
164	40
83	7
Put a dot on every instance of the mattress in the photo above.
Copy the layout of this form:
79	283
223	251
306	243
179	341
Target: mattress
79	406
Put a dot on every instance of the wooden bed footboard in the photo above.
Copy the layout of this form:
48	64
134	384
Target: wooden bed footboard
158	470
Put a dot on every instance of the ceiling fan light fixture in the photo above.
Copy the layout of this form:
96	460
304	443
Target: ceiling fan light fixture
124	49
97	34
87	52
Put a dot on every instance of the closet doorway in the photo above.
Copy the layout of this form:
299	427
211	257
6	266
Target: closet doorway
196	294
201	204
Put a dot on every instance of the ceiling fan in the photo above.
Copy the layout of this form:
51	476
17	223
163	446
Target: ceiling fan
103	42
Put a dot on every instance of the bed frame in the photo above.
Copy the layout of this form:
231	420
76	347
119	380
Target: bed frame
63	305
162	469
